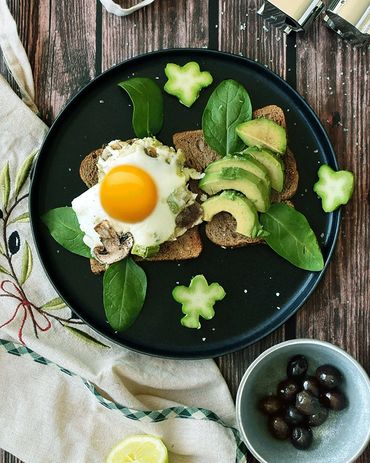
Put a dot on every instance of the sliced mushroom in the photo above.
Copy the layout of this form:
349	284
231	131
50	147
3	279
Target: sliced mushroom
114	247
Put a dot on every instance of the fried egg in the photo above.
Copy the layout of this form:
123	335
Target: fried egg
142	188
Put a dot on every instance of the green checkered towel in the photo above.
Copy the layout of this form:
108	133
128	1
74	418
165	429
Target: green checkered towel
67	395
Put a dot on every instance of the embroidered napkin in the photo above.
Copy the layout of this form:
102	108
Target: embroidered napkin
67	394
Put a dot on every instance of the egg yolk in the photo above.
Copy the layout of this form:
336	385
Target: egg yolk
128	193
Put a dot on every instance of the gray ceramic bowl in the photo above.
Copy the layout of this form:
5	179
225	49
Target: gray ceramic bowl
341	439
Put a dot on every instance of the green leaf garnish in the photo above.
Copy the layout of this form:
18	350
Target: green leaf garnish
147	100
228	106
124	290
290	236
64	228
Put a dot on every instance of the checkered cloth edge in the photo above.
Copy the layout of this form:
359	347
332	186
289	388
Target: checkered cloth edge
149	416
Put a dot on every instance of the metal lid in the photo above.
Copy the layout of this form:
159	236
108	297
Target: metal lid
350	19
290	15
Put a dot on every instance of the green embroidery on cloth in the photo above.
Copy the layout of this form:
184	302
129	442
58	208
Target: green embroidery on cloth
148	416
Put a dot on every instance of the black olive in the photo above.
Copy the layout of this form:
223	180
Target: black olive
297	366
311	385
334	400
302	438
279	428
328	376
288	389
293	416
14	242
271	405
307	404
318	418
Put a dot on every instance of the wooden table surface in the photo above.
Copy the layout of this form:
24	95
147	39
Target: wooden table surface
70	42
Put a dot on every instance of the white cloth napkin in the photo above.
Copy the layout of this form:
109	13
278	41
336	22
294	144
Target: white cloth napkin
68	395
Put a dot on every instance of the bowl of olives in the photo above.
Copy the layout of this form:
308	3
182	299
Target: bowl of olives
304	400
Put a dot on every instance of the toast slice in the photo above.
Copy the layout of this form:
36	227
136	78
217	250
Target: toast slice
198	153
89	168
221	229
187	246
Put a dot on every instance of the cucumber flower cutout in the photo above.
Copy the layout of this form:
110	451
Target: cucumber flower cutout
198	300
186	82
334	188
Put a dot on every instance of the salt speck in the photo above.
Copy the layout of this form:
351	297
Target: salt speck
322	235
58	251
157	78
245	291
316	151
278	307
179	265
203	339
213	329
69	169
277	294
177	282
101	101
243	26
216	26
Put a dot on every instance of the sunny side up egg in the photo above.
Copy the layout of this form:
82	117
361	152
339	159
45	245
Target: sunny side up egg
142	206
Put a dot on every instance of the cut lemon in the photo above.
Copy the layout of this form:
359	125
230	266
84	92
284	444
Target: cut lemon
139	449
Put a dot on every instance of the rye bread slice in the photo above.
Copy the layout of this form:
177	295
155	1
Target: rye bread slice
187	246
221	229
197	152
273	112
89	168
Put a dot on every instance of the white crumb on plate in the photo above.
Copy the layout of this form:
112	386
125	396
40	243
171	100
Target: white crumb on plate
101	101
245	291
277	294
203	339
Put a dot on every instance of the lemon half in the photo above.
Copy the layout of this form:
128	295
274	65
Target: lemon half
139	449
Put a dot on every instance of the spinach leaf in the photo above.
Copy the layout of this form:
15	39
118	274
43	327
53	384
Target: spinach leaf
228	106
64	228
124	290
147	100
291	236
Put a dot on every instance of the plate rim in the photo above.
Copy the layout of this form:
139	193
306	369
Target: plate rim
335	218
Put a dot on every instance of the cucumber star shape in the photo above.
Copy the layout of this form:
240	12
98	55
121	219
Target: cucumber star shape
186	81
198	300
334	188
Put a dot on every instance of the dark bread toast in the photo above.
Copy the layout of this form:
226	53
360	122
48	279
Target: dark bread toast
89	169
221	229
187	246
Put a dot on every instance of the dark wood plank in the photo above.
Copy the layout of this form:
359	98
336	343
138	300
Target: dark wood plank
163	24
59	38
335	81
240	31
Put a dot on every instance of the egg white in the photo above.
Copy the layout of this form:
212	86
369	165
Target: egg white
164	169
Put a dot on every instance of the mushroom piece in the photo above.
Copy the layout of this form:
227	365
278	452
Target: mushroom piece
114	247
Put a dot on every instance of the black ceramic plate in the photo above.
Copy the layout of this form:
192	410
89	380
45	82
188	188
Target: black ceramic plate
263	290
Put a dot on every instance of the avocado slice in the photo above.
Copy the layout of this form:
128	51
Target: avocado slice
272	163
240	207
263	133
244	161
235	178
